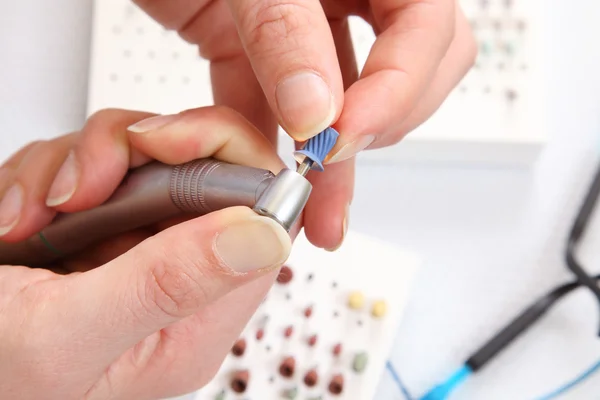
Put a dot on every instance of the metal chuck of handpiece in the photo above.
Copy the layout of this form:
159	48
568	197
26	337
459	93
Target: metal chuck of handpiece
286	196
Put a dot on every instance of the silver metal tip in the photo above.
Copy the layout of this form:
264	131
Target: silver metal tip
305	166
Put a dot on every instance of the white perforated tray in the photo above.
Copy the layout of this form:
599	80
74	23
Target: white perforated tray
324	281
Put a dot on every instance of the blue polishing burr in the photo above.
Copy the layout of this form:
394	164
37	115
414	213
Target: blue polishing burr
316	149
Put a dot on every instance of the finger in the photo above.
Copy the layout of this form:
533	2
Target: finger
326	214
457	62
217	132
292	52
111	144
14	161
233	81
415	37
24	188
97	163
235	86
165	279
106	251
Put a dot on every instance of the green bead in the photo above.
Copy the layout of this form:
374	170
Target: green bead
485	48
360	362
220	396
510	49
291	393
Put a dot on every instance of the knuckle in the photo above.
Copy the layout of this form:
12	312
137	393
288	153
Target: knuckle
175	286
101	116
111	122
275	22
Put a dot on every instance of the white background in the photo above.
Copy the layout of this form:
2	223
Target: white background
492	239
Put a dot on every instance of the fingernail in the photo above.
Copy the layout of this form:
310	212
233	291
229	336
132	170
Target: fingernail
258	243
306	104
64	184
152	123
351	149
10	209
344	230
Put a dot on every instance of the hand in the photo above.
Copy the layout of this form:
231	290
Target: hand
151	313
281	56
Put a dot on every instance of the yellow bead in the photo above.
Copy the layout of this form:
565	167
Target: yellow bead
379	309
356	300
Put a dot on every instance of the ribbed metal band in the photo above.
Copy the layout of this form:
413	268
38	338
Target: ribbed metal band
186	188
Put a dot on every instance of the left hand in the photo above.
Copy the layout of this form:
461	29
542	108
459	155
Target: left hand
150	313
423	49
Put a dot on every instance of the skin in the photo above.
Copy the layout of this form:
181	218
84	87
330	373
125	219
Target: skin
131	317
423	49
128	318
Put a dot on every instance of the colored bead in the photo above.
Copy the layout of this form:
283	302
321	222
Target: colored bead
287	367
356	300
291	394
239	383
308	312
288	331
336	385
511	95
312	340
239	348
311	378
285	275
360	362
337	349
379	309
260	334
220	396
485	48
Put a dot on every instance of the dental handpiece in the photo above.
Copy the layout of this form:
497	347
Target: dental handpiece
157	192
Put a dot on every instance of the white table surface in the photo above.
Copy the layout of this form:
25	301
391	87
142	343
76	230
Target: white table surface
492	240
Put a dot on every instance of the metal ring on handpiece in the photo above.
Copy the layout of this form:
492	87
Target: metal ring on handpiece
285	198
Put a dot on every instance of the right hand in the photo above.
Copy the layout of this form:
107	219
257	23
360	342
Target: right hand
148	314
292	63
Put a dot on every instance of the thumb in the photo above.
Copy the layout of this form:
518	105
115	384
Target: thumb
169	277
291	49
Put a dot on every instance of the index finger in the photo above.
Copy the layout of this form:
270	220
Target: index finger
415	35
172	139
291	49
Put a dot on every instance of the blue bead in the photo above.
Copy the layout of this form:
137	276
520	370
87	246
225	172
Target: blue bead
317	148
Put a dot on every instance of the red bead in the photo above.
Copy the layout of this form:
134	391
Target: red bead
311	378
285	275
337	349
239	348
312	340
260	334
288	331
308	312
239	383
336	385
287	367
